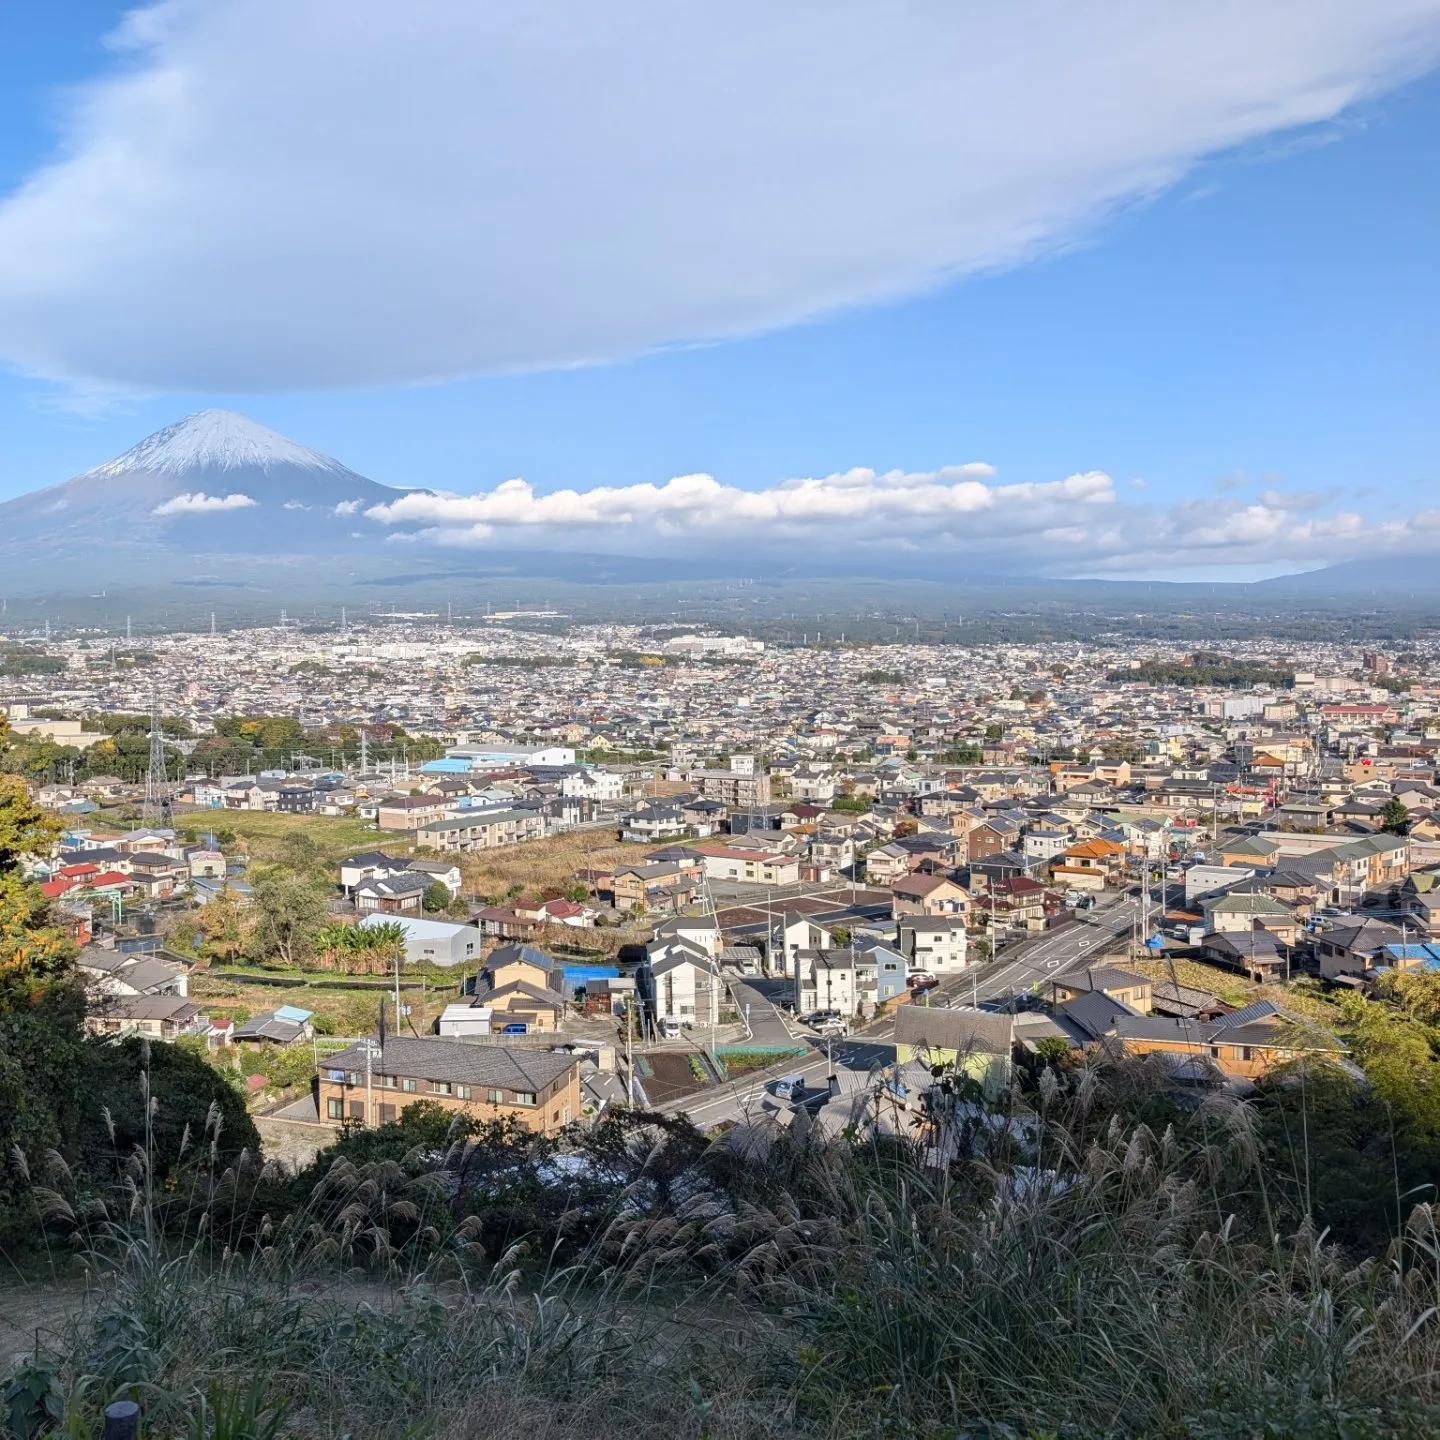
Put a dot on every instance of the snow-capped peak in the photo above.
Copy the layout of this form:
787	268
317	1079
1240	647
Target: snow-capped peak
217	440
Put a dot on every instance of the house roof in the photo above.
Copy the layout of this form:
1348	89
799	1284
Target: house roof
1102	977
461	1061
965	1031
921	885
143	1007
1096	1013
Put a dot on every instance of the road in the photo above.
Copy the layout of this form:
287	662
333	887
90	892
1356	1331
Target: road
1031	963
1024	965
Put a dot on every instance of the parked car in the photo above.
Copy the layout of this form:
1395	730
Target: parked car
922	980
789	1087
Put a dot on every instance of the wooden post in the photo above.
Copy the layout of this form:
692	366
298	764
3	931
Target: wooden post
122	1421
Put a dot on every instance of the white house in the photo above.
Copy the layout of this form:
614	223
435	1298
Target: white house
589	784
789	936
934	942
827	979
679	982
756	867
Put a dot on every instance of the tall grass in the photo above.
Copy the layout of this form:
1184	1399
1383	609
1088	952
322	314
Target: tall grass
1078	1270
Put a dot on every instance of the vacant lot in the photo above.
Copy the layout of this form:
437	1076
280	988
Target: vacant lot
264	832
543	865
337	1012
1300	997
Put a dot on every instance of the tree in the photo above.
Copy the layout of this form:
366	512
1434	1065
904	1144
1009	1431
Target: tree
42	1009
436	898
289	914
1395	817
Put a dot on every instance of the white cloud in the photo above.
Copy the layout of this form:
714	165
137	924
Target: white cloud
197	502
860	505
270	195
348	507
948	521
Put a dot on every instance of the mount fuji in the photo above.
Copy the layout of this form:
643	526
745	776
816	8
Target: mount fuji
214	486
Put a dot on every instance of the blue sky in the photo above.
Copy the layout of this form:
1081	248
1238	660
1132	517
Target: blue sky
1264	324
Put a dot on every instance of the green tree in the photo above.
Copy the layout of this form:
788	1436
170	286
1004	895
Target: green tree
289	914
436	898
42	1010
1395	817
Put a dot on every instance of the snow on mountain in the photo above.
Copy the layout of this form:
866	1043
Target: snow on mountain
214	486
216	440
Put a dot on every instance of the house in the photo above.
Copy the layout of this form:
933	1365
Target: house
1240	1045
1088	864
755	867
522	987
928	895
679	981
372	1085
440	942
484	830
394	894
936	943
883	974
827	979
446	872
1126	986
789	935
974	1042
286	1025
358	868
666	886
886	864
1355	949
206	864
115	972
1236	911
1255	953
160	1016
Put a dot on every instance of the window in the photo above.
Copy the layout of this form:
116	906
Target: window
462	1092
409	1086
496	1097
524	1097
335	1109
440	1087
387	1114
357	1109
354	1078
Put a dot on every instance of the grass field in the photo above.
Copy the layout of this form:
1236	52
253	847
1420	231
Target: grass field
337	1012
536	867
543	865
1299	996
264	831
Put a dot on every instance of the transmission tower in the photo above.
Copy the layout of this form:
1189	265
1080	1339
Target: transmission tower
156	814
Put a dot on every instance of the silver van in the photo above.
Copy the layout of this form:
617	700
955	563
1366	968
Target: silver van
789	1087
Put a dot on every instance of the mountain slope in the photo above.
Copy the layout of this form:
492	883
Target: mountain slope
214	484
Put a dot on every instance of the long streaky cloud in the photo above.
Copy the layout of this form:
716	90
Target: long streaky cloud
271	195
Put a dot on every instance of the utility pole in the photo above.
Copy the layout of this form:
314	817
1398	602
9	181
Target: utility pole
630	1050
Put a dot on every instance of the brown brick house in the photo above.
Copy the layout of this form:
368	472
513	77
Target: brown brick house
538	1088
